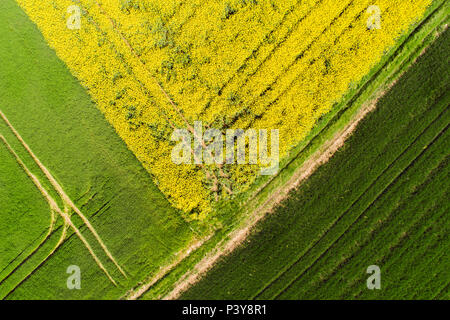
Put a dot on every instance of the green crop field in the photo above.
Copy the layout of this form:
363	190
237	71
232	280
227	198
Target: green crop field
381	200
93	92
93	165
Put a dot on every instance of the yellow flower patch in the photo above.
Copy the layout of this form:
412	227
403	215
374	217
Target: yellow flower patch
153	66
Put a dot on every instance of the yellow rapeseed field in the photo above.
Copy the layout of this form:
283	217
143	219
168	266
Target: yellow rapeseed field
153	66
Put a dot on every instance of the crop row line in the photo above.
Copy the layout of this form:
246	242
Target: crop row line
367	82
384	223
367	207
339	218
297	61
49	230
67	201
401	241
255	51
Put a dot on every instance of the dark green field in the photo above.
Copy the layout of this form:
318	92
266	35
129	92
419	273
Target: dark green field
63	127
381	200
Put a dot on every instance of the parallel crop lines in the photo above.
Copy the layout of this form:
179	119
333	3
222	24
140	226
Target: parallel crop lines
291	286
364	235
263	50
279	88
287	274
382	224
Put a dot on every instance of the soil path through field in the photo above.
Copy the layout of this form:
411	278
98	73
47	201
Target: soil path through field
54	207
237	237
62	193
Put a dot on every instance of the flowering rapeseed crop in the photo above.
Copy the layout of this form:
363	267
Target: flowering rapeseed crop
153	66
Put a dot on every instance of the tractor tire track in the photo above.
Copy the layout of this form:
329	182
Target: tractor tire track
54	206
62	193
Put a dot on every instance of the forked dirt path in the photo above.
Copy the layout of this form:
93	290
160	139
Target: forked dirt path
41	242
237	237
62	193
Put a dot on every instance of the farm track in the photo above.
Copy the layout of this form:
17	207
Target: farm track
281	74
135	293
63	195
401	48
54	206
395	73
57	246
304	172
355	202
195	278
178	111
299	74
166	94
169	97
45	237
255	52
118	36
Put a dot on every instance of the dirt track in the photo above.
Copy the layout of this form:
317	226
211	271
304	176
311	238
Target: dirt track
237	237
55	208
62	193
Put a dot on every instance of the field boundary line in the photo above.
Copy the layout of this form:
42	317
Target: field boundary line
140	289
190	274
174	105
389	78
237	237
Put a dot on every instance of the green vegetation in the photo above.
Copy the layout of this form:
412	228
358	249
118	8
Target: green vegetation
63	127
234	214
380	200
349	215
25	214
